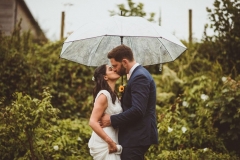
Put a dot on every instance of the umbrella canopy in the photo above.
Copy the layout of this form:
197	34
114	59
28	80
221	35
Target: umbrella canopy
150	43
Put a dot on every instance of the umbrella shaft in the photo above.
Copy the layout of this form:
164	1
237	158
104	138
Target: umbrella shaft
121	39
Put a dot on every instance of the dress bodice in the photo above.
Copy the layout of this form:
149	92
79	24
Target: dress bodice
98	147
112	108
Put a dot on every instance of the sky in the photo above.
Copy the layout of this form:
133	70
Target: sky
174	14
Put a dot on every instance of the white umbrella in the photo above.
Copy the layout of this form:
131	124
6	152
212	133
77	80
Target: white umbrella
150	43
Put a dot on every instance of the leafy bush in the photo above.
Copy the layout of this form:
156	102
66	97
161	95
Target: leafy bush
224	46
20	123
29	67
226	113
193	154
69	140
30	129
188	126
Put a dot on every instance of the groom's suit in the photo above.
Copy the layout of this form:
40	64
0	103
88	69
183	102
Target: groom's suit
137	124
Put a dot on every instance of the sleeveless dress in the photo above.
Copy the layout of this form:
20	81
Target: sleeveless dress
98	147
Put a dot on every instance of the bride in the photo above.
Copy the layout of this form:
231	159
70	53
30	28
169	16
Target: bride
103	143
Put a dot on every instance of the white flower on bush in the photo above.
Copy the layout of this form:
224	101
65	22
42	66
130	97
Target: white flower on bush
55	147
185	104
170	130
225	90
184	129
192	115
204	97
224	79
179	151
79	139
205	149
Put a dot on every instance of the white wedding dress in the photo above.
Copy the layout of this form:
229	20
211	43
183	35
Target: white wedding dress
98	147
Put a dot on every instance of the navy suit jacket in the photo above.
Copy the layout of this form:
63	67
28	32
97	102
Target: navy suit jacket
137	123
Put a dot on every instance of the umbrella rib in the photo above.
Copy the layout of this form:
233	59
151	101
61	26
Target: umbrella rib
166	48
96	48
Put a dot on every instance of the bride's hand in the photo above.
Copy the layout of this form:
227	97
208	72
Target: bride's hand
112	147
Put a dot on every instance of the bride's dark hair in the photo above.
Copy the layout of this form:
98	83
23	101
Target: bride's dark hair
101	83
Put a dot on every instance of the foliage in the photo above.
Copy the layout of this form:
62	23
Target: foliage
224	46
30	129
169	86
227	113
69	140
187	126
191	154
133	10
29	67
20	123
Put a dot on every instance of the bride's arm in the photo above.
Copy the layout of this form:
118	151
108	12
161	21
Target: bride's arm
100	106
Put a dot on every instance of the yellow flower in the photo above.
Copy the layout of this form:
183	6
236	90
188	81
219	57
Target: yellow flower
121	88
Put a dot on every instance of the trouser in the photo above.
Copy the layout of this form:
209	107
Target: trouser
134	153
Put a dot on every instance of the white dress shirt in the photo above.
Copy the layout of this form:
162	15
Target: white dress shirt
132	69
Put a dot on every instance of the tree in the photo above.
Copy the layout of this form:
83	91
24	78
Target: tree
134	10
224	46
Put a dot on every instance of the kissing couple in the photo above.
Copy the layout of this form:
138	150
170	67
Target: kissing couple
122	129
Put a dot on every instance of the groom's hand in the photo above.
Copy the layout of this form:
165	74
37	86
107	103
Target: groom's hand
105	121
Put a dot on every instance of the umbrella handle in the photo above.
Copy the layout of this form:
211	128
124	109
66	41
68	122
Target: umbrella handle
160	67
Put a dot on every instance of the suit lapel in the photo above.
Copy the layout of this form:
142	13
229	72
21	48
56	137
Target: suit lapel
132	75
126	94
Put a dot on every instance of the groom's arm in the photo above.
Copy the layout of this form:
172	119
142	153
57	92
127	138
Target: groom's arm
140	90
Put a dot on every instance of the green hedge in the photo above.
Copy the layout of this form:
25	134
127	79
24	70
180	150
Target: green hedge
45	104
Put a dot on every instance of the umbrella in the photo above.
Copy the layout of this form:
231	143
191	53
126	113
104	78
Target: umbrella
150	43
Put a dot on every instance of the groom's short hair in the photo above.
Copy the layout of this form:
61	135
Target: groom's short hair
121	52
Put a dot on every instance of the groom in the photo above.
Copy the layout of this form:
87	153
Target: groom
137	124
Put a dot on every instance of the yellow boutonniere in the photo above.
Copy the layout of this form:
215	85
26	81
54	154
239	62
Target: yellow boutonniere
121	88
